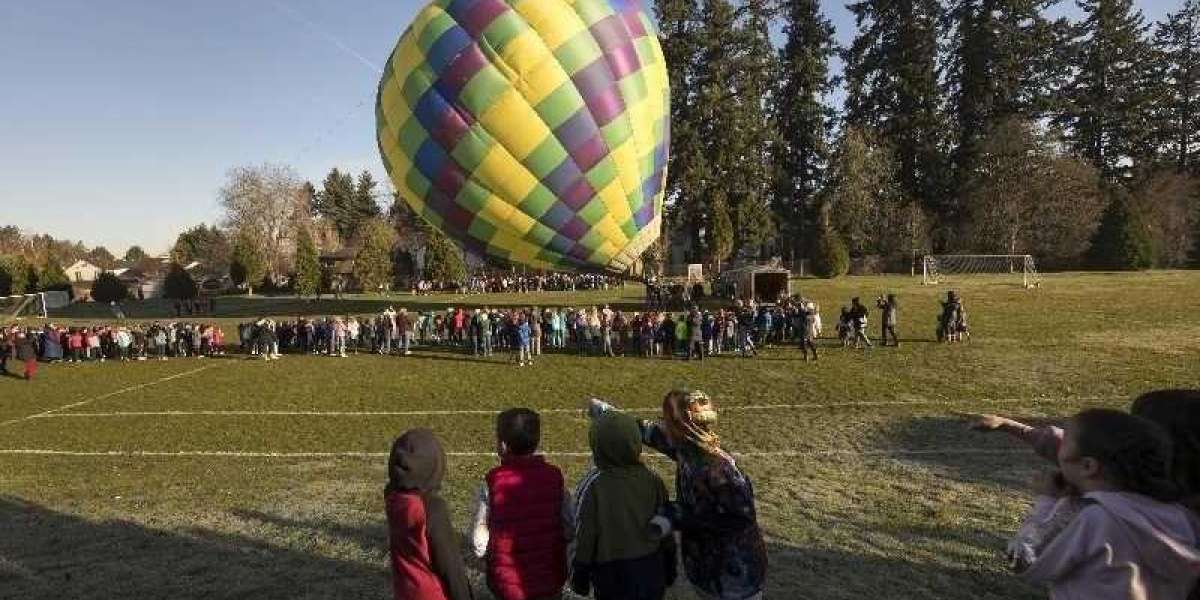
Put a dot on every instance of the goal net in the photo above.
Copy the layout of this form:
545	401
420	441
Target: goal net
943	268
23	305
32	305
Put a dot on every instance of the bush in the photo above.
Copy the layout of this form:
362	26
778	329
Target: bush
107	288
1123	242
832	259
179	284
14	274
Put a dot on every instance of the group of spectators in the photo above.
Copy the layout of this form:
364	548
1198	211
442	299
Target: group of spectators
1115	520
502	283
53	343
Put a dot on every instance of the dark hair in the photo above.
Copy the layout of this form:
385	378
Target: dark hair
520	429
1135	453
1178	413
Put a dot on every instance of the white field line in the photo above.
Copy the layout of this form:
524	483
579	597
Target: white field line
132	388
446	413
251	454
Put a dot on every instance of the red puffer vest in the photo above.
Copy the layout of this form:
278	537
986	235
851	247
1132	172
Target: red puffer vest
526	544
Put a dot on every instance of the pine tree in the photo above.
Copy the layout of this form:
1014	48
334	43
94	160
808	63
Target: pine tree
831	259
179	284
1002	64
863	200
1177	96
1108	97
756	76
107	288
804	120
443	260
678	21
892	87
335	201
308	266
364	207
1122	243
373	263
722	232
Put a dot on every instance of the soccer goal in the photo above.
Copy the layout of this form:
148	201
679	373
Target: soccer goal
942	268
23	305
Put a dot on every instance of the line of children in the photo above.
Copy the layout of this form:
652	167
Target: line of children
1113	522
617	532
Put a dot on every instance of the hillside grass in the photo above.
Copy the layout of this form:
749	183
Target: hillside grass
868	483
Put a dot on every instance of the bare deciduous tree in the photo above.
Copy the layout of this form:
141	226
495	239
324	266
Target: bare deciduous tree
269	203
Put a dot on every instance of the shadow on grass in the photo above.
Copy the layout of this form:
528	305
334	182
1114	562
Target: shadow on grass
990	458
49	554
824	574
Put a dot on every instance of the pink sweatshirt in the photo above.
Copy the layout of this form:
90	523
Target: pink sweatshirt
1120	546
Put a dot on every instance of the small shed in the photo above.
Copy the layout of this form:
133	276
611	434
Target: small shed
761	284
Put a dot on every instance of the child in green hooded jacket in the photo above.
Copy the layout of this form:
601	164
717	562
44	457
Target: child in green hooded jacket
619	552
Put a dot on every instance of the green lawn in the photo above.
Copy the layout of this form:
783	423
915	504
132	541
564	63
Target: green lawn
263	480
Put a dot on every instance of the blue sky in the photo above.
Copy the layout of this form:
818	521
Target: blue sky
120	118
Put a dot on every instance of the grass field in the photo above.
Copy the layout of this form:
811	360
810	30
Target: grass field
231	478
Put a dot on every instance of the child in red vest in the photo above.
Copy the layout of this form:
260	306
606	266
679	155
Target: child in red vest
425	558
523	519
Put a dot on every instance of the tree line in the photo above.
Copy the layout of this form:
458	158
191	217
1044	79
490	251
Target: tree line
967	126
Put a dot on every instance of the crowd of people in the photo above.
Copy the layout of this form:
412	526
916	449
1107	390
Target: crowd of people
52	343
1116	520
501	283
522	333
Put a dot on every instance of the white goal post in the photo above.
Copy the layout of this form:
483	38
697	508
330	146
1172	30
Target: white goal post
22	305
32	305
941	268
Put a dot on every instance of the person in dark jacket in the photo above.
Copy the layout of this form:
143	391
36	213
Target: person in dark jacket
425	558
25	352
623	551
890	310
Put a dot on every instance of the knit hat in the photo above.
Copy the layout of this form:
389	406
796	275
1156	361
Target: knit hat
691	415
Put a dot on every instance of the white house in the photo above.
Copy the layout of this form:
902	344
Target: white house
82	272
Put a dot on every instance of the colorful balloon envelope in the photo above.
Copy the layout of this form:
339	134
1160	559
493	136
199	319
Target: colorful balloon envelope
535	131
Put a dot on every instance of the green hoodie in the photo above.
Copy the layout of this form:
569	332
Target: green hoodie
617	499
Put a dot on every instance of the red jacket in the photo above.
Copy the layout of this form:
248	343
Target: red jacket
526	544
413	576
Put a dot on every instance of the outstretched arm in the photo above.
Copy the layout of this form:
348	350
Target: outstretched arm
1044	440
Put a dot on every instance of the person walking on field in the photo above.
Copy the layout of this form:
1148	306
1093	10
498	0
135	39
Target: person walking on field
25	353
887	324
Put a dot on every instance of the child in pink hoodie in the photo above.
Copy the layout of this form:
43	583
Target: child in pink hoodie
1108	525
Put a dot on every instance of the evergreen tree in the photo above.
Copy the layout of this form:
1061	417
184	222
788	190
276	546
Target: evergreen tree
804	120
863	200
179	284
373	263
248	264
308	266
107	288
831	259
134	254
205	244
336	200
364	207
733	77
678	21
1108	96
443	260
722	232
892	87
1122	243
1177	98
1002	64
52	277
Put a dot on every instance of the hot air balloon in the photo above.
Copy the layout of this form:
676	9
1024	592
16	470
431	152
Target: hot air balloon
535	131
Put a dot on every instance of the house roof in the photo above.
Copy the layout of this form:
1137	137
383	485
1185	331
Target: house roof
81	264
